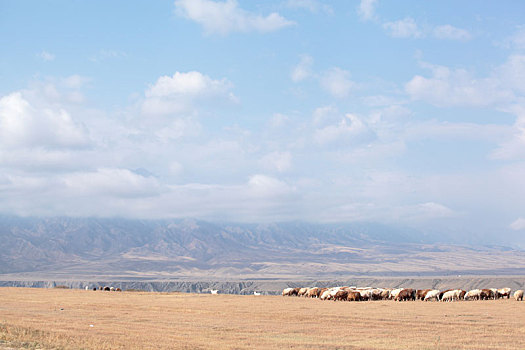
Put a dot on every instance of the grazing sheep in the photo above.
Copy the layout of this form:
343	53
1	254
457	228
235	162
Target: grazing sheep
460	294
404	295
518	295
287	291
375	294
334	290
421	293
302	292
474	294
450	295
366	294
341	295
432	295
443	292
107	289
321	291
353	296
486	294
504	292
494	293
313	292
395	292
326	295
118	290
385	294
256	293
214	291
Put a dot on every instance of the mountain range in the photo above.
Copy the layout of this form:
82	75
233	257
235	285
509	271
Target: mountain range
187	249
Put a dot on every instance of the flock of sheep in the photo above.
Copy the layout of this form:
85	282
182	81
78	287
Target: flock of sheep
401	294
106	288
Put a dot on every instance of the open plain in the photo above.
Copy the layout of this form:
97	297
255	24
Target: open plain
72	319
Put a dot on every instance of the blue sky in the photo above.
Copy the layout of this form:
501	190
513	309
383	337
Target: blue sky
397	112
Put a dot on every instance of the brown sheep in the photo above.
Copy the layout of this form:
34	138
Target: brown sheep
341	295
404	295
295	291
385	293
486	294
312	292
353	296
421	293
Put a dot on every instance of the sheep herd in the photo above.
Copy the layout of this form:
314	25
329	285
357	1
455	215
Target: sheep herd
106	288
401	294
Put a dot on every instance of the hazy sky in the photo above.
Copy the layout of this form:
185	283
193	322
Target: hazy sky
394	111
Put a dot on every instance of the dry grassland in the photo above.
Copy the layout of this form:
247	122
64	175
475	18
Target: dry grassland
54	318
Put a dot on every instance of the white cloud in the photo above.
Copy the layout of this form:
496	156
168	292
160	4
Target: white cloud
178	128
266	186
303	69
433	210
46	56
24	125
111	182
348	127
392	113
325	115
176	94
337	82
518	224
457	87
277	161
191	83
450	32
434	129
366	9
313	6
512	73
75	81
404	28
513	146
413	213
223	17
517	40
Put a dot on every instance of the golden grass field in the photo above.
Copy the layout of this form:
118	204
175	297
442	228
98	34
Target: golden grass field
58	318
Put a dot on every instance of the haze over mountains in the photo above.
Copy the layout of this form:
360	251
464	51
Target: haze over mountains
123	249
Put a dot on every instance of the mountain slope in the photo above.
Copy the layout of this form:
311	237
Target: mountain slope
197	249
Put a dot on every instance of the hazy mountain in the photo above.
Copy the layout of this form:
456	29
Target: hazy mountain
185	249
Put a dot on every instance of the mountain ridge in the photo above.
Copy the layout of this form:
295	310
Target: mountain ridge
186	248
